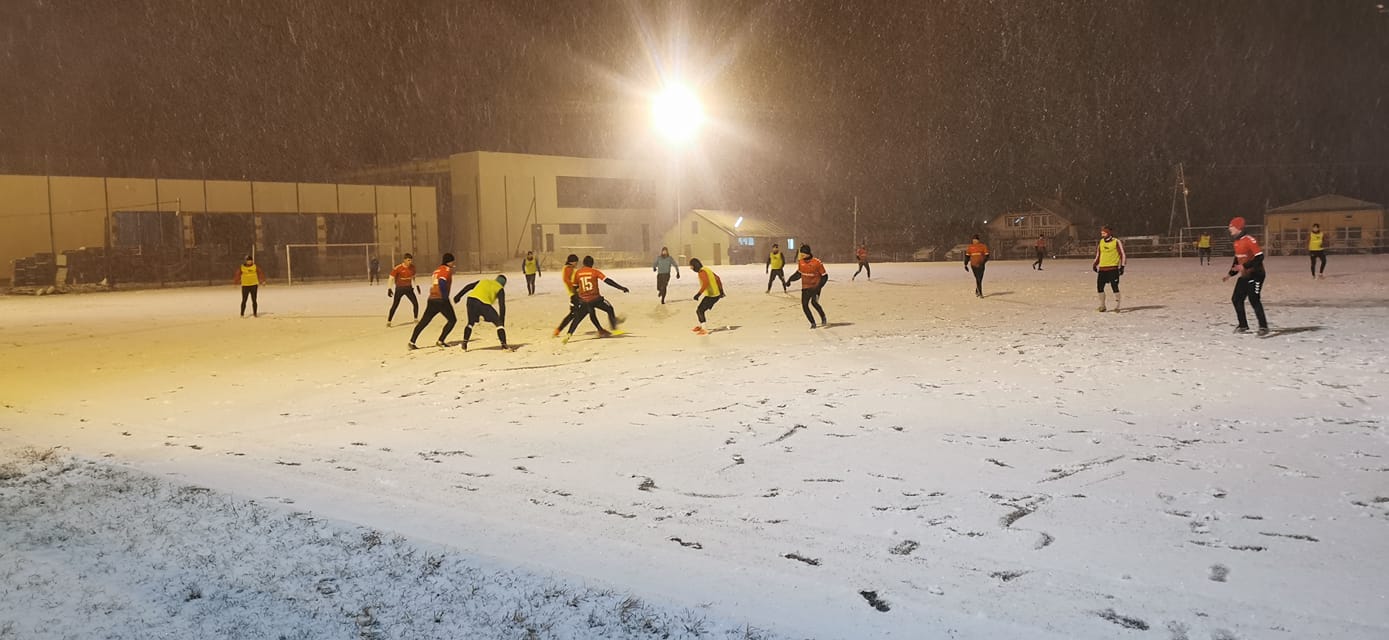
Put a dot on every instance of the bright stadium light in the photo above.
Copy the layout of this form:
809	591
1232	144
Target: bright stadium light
677	113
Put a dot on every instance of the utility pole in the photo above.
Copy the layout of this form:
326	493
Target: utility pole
1179	188
855	245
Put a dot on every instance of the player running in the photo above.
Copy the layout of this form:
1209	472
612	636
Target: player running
976	256
404	276
811	272
862	256
1249	266
482	294
1108	265
662	266
1041	246
711	287
438	303
250	277
586	282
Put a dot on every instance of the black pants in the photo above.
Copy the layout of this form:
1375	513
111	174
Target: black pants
1204	253
978	279
478	311
530	284
577	309
1318	255
863	266
1111	277
406	292
590	309
1041	253
662	282
1250	288
249	291
706	304
811	298
436	307
776	274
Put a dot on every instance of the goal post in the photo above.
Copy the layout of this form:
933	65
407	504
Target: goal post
345	261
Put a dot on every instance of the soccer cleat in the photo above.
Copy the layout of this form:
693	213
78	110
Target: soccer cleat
566	338
700	331
603	333
556	333
1263	331
440	344
412	346
465	345
1241	329
697	329
388	324
1101	309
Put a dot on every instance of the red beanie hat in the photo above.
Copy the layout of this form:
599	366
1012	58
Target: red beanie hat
1237	222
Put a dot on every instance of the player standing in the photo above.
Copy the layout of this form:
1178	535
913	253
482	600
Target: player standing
1249	267
438	303
404	277
1108	265
711	287
811	272
976	256
250	277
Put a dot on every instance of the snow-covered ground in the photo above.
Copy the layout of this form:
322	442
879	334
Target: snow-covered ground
932	465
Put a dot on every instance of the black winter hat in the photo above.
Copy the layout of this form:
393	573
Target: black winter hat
805	248
448	257
696	264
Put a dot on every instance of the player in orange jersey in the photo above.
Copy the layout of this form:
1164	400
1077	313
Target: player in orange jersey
438	304
586	282
862	256
976	256
1249	267
404	276
566	275
811	272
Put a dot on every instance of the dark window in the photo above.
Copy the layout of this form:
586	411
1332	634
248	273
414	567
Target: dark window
604	193
694	226
344	228
225	233
280	230
570	229
596	229
147	229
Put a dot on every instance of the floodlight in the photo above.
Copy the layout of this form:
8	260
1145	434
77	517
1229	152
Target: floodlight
676	113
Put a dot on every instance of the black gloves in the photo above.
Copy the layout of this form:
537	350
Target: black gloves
1095	268
390	294
696	296
417	288
677	275
1121	270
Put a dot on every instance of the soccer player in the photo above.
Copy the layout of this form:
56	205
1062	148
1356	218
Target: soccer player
811	272
404	276
482	294
1249	266
375	270
250	277
862	255
586	282
1041	246
711	287
662	266
1108	265
776	264
438	303
531	268
1316	247
976	256
1203	248
566	275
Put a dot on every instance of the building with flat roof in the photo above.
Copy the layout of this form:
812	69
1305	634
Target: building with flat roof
1348	224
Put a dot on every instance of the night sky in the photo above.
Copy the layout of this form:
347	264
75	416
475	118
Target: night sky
935	114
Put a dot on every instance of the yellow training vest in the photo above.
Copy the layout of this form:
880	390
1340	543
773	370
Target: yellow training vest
1314	242
529	267
486	291
778	260
1109	253
713	290
1204	242
248	276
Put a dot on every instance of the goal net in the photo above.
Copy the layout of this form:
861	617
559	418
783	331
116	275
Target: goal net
1221	244
351	261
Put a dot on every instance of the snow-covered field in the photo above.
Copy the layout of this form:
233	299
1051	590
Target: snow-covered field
931	466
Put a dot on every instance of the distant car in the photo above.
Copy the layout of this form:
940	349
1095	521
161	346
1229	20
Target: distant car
956	252
924	254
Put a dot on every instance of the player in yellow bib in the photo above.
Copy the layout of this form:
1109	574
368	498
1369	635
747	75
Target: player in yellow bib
482	294
1316	247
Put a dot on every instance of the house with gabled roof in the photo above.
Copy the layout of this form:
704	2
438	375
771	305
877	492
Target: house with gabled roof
1348	224
727	237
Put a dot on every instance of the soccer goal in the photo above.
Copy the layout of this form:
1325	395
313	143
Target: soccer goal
1221	244
349	261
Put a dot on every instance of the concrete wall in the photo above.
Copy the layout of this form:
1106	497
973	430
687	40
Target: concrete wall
43	214
498	197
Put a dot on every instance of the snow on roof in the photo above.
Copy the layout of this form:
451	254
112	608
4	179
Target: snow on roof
752	226
1329	202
